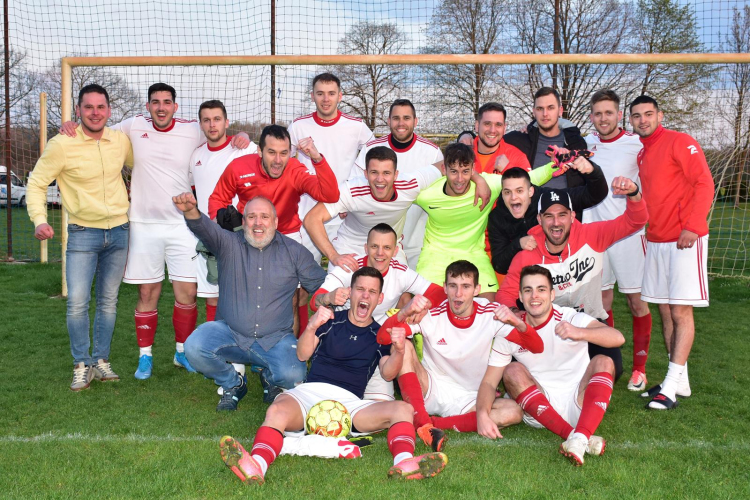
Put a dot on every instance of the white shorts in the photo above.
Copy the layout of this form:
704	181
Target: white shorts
675	276
446	398
565	404
309	394
378	389
153	245
205	289
623	262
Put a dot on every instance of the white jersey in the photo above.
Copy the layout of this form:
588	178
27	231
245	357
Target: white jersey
364	211
396	280
207	164
420	151
161	170
617	157
562	363
458	348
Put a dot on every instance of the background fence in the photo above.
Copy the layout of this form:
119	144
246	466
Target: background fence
709	101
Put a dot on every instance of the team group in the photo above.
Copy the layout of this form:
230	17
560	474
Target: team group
502	253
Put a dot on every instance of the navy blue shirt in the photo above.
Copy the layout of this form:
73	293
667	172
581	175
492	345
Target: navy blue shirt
347	355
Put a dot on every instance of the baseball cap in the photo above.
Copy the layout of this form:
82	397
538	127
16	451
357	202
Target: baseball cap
554	197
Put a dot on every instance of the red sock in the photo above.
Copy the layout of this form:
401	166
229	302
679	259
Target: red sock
210	313
145	327
411	392
303	316
267	444
184	317
595	402
641	341
400	438
535	403
459	423
610	319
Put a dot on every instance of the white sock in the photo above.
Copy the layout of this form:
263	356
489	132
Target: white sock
669	386
261	461
145	351
180	346
685	379
401	456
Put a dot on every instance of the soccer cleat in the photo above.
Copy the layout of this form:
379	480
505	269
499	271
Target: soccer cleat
347	449
637	381
180	361
683	391
240	461
103	371
82	377
231	398
433	437
575	448
145	364
596	445
421	467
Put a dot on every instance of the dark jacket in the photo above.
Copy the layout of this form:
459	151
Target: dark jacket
505	231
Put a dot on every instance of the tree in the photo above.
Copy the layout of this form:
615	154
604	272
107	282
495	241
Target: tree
22	80
368	90
465	27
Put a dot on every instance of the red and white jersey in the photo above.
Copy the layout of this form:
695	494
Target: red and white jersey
161	166
459	348
562	363
618	157
411	158
208	163
364	211
396	280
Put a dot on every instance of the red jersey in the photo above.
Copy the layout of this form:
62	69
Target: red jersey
246	178
677	185
486	162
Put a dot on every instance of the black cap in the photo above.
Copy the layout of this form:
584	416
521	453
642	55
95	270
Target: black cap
551	197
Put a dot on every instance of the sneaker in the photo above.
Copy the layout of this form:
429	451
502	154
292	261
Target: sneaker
145	364
433	437
269	391
231	398
596	446
103	371
637	381
239	461
575	448
180	361
82	377
421	467
240	370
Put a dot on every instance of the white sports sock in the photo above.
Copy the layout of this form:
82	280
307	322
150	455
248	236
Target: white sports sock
145	351
261	461
669	386
180	346
401	456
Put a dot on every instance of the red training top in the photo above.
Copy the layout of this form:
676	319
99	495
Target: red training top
486	162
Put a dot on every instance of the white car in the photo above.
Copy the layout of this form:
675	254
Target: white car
18	190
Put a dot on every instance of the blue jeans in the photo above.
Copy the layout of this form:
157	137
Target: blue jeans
211	347
101	253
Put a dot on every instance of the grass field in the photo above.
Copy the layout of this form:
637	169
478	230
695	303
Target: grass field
159	438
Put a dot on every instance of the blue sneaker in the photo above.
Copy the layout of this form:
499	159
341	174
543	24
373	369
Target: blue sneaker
180	361
145	363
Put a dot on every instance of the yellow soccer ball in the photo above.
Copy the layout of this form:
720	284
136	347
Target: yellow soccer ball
328	418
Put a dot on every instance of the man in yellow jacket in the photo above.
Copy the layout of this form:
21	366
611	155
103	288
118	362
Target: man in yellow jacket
88	171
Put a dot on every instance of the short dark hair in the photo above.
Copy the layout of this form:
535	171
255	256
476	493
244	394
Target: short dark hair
516	173
369	272
462	268
534	271
548	91
491	106
381	153
466	132
605	95
382	228
326	78
161	87
644	99
402	102
276	131
457	152
212	104
92	88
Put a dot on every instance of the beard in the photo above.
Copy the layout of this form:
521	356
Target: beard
262	243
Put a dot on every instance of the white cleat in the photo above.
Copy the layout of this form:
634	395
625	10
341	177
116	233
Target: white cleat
596	445
575	448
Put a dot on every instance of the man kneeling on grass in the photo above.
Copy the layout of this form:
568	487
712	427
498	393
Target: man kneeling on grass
344	354
561	387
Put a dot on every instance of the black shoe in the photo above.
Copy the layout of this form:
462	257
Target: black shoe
231	398
269	391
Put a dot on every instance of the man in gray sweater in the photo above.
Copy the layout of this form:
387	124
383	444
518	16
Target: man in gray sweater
259	270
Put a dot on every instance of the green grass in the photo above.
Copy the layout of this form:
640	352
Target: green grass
159	438
25	246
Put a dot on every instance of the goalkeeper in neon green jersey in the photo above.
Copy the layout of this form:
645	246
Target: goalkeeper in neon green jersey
455	227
